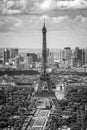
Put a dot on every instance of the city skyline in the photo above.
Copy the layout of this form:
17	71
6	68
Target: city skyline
21	23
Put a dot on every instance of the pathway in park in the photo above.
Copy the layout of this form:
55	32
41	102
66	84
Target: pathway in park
41	115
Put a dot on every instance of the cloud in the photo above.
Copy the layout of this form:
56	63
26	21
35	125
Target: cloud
17	6
9	24
5	11
47	4
27	29
62	4
72	3
65	22
54	19
60	23
80	19
27	23
33	6
82	22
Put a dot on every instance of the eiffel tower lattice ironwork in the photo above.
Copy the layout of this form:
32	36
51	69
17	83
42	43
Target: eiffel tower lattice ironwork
45	81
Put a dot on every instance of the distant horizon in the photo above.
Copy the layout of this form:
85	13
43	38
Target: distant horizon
40	48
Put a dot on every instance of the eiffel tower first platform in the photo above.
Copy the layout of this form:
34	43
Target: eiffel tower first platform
45	82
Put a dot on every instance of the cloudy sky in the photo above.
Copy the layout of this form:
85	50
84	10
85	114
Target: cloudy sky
21	22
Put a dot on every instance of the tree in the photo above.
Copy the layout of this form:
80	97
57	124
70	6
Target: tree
78	97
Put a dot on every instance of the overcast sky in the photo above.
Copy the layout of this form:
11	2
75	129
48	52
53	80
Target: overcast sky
21	22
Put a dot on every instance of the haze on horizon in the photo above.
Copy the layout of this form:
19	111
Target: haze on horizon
21	23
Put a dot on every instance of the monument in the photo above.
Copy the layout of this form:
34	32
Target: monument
45	83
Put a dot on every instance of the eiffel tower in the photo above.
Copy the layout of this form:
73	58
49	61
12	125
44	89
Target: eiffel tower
45	83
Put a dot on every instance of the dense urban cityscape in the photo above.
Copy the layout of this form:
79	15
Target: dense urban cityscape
25	59
43	64
43	89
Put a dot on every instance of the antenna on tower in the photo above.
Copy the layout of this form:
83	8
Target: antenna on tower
44	22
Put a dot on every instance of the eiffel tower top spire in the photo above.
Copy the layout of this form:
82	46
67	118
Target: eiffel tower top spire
44	30
44	22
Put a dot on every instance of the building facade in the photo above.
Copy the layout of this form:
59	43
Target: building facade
6	56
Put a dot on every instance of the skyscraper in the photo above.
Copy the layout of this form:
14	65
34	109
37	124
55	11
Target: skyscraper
6	56
83	57
17	62
80	56
13	53
33	55
86	56
68	53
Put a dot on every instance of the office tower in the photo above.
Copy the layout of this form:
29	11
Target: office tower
83	57
51	59
65	56
73	63
13	53
31	59
68	53
6	56
17	62
86	55
1	57
39	57
62	54
33	55
80	56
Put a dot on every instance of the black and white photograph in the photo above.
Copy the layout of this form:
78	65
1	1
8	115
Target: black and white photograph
43	64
